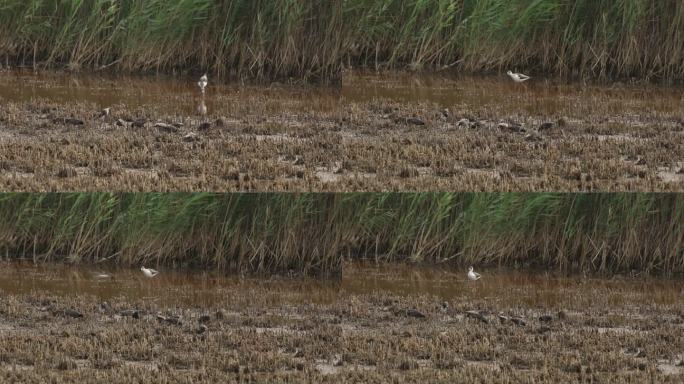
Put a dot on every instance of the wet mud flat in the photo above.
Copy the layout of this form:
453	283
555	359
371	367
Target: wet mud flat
510	329
541	135
474	135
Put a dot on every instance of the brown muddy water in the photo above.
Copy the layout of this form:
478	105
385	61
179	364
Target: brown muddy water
172	287
165	94
389	323
390	132
540	97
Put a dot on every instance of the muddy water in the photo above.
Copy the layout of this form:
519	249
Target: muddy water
481	95
498	93
172	95
497	287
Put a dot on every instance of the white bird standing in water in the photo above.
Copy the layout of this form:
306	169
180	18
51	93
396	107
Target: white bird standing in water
518	77
472	275
203	82
149	272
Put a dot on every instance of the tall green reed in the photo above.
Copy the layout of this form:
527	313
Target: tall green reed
314	233
241	38
617	38
311	39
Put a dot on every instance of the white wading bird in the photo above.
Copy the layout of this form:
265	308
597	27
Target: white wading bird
149	272
203	82
518	77
472	275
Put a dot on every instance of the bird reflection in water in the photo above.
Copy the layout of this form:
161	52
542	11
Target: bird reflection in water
202	107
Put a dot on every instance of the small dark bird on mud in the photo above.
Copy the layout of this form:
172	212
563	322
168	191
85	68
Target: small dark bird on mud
444	307
414	313
519	321
72	313
545	126
104	113
477	315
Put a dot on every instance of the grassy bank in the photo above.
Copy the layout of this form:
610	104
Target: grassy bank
616	38
245	38
312	233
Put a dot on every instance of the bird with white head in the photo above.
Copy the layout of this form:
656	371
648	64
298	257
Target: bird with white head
202	83
518	77
472	275
149	272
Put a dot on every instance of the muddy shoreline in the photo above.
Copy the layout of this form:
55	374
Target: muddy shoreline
376	325
369	147
462	136
258	334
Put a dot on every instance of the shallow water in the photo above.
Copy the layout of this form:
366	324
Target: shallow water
535	97
515	288
479	95
173	95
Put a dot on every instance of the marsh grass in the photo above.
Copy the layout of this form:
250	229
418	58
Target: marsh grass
241	38
587	38
313	233
311	39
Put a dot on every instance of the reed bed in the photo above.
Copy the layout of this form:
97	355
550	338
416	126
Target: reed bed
241	38
311	39
574	38
314	233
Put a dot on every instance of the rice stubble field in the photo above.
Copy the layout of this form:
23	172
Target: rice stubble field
484	135
496	329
